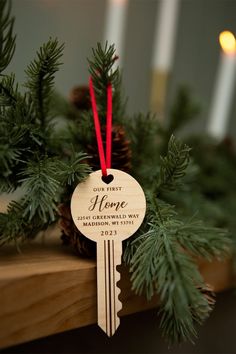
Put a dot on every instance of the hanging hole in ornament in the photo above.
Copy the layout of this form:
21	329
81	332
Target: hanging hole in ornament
107	179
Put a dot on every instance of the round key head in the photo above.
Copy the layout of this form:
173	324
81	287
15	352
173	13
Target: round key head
111	207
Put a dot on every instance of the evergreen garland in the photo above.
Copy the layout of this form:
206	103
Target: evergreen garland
47	164
7	39
28	157
161	254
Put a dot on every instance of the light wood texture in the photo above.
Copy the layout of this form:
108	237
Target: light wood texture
109	254
113	210
46	289
108	210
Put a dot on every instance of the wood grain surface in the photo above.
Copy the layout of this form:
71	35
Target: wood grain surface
46	289
108	211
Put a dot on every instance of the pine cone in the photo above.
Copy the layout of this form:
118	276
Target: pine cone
80	98
208	293
121	152
71	235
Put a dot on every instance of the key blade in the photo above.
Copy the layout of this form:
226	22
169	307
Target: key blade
108	258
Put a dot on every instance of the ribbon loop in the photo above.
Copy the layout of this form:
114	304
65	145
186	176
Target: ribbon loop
104	162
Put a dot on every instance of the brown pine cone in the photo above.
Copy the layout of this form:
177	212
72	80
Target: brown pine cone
121	152
209	295
80	97
71	235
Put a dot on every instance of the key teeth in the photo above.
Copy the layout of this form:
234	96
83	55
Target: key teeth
119	303
119	307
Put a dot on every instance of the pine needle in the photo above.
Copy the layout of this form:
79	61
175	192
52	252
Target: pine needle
40	73
7	39
159	264
173	165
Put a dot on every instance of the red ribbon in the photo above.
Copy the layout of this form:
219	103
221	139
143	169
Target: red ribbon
104	162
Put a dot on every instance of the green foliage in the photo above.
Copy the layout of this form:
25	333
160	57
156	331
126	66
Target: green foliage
28	157
160	264
74	170
22	118
41	73
12	223
173	165
203	241
40	185
81	133
101	68
8	157
7	39
158	259
42	181
8	91
161	254
48	164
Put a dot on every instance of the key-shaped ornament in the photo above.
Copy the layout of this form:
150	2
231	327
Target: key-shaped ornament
108	210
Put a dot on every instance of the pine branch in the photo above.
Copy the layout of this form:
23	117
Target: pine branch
74	170
6	185
8	157
101	69
11	224
24	147
7	39
15	228
142	130
160	254
173	165
160	265
41	190
41	79
205	241
19	137
8	91
81	132
43	182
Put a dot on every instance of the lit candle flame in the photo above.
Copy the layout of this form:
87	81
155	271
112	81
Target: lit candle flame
228	42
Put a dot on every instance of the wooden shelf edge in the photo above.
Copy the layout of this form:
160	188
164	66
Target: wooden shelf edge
46	290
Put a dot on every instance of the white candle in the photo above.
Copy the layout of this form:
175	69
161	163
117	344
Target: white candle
224	88
115	25
163	52
165	32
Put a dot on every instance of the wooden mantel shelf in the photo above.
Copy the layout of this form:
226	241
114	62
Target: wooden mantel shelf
46	290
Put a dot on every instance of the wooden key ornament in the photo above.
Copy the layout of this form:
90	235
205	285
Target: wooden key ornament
108	210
